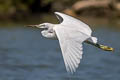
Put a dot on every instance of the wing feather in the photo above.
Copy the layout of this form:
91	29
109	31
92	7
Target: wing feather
70	40
69	20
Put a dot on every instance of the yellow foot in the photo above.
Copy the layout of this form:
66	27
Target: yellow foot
105	48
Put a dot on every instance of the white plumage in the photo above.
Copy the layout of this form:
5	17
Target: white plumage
71	33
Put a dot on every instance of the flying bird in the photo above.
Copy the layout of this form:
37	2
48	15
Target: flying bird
71	33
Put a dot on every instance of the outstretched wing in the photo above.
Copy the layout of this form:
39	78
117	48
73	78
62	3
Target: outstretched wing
68	20
70	40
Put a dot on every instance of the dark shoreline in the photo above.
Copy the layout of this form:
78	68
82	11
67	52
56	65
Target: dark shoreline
37	19
22	10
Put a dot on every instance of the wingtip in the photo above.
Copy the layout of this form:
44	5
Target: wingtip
57	13
59	16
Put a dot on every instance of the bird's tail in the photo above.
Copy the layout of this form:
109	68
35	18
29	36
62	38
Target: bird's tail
94	39
103	47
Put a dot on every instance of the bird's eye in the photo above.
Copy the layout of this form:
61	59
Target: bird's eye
43	25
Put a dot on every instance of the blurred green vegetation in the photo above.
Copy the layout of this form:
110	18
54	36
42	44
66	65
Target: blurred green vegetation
22	9
18	8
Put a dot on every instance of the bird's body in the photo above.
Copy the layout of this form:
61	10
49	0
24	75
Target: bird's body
71	33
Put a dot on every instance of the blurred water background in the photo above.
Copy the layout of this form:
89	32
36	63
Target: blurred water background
26	55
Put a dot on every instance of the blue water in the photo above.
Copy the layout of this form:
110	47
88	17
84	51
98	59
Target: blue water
26	55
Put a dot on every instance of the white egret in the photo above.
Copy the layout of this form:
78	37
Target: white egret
71	33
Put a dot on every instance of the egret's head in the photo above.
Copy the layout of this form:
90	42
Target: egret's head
42	26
